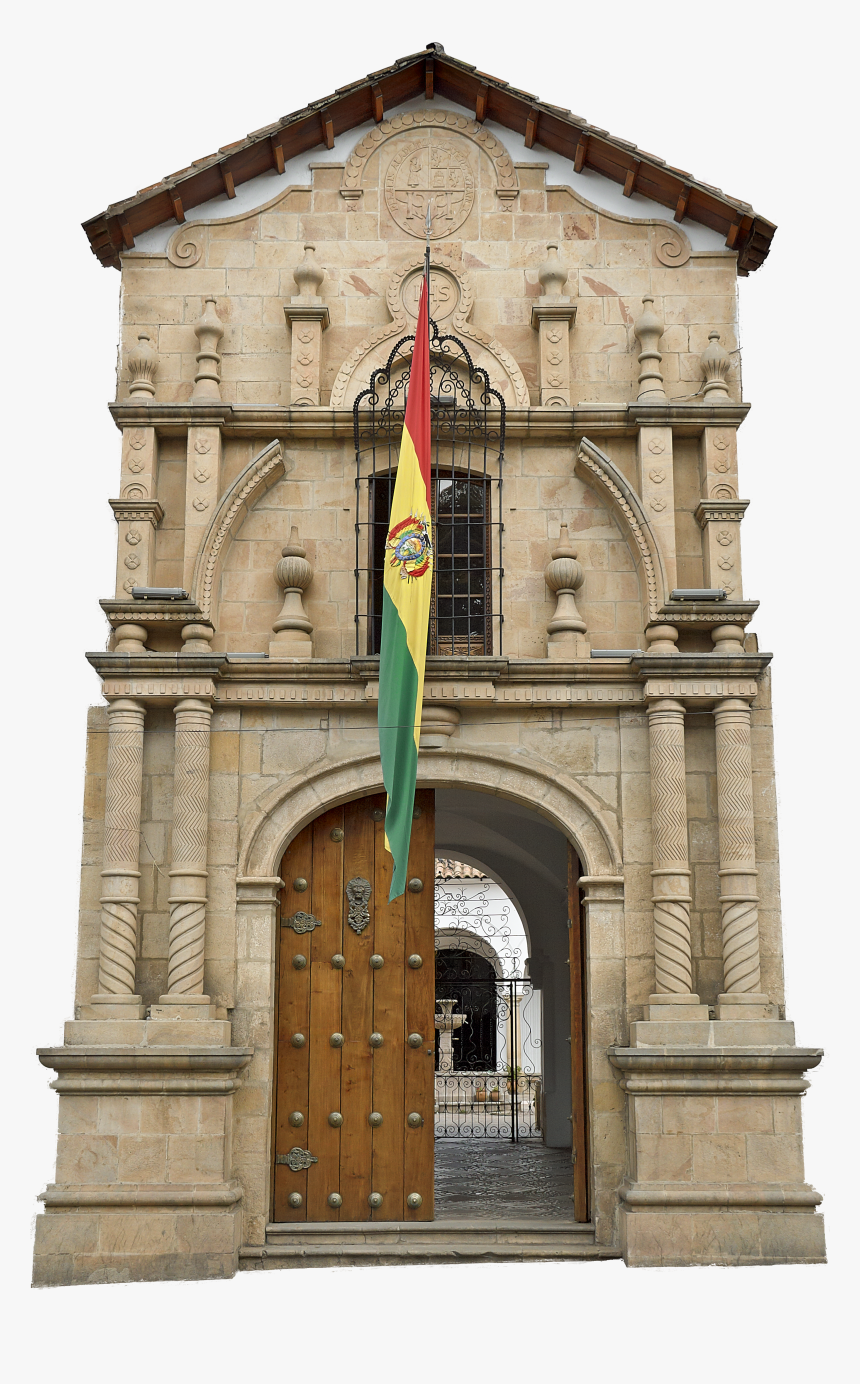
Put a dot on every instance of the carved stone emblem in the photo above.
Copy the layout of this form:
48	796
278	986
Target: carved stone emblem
132	560
133	537
201	502
657	474
725	537
302	922
203	444
656	445
430	170
201	474
136	439
721	465
658	504
297	1160
135	464
358	892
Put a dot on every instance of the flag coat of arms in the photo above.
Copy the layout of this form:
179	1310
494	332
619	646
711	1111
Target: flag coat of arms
406	609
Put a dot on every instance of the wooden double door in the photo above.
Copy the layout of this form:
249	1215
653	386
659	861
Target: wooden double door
355	1053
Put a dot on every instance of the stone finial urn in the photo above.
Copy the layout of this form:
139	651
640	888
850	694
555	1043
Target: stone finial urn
142	366
293	629
564	576
649	328
207	381
716	363
309	275
552	274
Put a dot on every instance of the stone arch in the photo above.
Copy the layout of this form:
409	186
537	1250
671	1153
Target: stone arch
282	812
268	466
502	368
450	939
596	468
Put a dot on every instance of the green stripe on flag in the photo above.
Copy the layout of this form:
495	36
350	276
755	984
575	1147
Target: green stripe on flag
398	694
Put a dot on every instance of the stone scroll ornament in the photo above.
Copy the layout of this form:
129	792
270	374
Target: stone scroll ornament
358	893
302	922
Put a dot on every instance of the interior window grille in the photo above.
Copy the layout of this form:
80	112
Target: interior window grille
467	434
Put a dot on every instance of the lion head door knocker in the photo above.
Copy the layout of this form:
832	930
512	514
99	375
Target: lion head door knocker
358	892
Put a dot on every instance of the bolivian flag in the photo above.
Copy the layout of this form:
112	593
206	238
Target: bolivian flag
406	609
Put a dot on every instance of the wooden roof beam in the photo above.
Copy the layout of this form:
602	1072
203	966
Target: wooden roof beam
229	185
176	202
632	175
278	152
683	199
531	127
327	130
127	235
581	153
378	104
429	71
481	103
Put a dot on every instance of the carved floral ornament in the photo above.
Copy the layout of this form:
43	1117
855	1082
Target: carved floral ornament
452	298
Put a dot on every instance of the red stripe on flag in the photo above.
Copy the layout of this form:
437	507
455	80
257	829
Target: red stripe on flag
417	420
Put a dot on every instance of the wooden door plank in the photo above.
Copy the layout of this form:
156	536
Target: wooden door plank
357	1020
293	1017
388	1062
325	1060
420	995
579	1151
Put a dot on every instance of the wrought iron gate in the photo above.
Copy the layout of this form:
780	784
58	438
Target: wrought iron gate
488	1082
468	442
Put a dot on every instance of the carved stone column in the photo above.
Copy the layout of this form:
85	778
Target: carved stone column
553	316
670	872
738	874
115	998
188	873
307	317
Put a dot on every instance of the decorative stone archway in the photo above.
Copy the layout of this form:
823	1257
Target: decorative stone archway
287	808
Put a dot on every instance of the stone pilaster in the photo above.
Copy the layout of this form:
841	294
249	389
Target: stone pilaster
202	489
720	520
188	873
738	873
670	871
307	318
553	315
657	488
115	998
137	521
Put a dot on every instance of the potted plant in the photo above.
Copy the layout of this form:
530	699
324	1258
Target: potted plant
514	1073
480	1093
494	1093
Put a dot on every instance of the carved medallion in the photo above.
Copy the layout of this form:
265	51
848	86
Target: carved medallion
137	439
721	441
132	560
725	537
133	537
203	444
201	474
721	465
297	1160
430	170
657	474
358	892
656	445
200	503
135	464
302	922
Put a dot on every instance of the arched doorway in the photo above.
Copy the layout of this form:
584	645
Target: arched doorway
470	981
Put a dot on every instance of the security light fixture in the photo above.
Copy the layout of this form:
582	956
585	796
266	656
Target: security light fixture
711	593
159	593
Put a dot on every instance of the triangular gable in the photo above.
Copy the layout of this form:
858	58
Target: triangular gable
431	73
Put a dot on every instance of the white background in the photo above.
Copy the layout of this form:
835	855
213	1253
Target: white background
104	99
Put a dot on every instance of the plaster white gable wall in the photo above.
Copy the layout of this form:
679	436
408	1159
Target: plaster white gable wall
591	187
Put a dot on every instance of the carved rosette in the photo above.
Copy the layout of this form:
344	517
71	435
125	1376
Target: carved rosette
738	873
120	873
670	872
188	874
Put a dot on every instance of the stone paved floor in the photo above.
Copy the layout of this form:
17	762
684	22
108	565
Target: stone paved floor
488	1180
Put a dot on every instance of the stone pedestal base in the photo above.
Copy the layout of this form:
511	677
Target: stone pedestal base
113	1007
715	1145
290	648
137	1243
679	1236
569	650
144	1154
746	1007
676	1009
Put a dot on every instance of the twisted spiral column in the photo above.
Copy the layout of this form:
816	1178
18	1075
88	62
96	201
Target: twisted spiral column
738	873
120	858
670	873
188	874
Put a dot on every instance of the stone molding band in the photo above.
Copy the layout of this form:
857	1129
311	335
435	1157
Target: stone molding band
137	1194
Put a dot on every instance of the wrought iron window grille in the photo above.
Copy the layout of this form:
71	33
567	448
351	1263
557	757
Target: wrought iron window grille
468	444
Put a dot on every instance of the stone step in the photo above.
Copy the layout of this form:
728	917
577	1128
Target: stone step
388	1242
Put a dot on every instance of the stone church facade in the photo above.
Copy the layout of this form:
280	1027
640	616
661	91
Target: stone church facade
597	726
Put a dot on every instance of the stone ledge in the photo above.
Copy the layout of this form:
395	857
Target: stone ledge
132	1195
130	1070
768	1195
678	1238
687	1069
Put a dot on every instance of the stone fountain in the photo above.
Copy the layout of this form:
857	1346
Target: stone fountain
446	1023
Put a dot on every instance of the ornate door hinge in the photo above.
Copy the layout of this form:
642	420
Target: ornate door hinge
297	1159
301	922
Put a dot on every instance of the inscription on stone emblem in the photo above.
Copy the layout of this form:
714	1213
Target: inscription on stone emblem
434	172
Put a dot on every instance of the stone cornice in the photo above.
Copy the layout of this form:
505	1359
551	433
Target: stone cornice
731	1070
120	1069
703	665
706	612
152	612
155	665
688	419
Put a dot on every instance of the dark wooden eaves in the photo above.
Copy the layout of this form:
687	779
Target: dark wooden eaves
432	72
